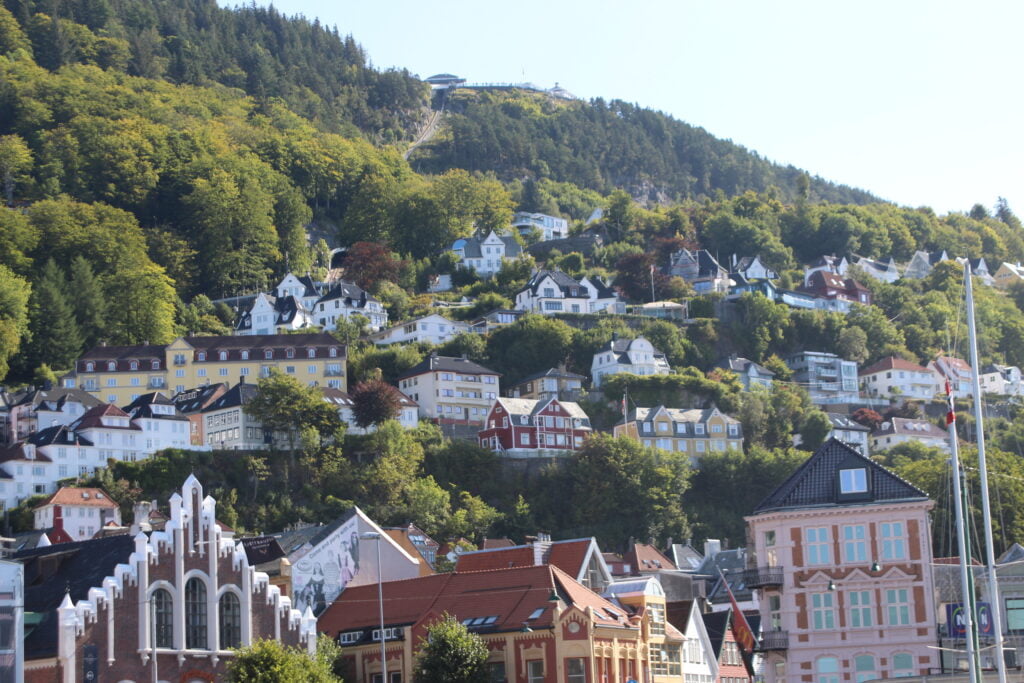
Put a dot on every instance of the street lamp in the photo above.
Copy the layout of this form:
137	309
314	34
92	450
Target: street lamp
375	536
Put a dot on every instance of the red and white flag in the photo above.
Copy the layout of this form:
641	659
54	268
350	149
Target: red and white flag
950	411
741	628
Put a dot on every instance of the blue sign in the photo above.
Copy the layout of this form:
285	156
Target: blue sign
956	625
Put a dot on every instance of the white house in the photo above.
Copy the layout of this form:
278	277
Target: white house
30	410
897	378
485	254
877	269
835	265
1004	380
636	356
161	423
922	263
451	390
301	287
273	315
849	432
344	300
901	430
552	291
430	329
550	227
408	416
751	268
79	512
956	371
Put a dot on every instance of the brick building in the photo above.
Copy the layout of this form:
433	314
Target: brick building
114	608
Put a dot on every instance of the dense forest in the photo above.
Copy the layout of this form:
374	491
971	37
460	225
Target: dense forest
606	145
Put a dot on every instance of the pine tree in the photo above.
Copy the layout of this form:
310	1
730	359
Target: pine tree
89	303
56	339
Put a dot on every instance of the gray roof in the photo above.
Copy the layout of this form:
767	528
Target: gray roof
620	347
446	364
561	280
742	366
350	291
471	246
813	484
194	400
840	421
238	395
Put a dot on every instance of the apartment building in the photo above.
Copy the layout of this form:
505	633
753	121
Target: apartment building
897	378
693	432
828	378
448	389
120	374
429	329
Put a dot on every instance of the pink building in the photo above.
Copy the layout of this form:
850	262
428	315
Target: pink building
842	558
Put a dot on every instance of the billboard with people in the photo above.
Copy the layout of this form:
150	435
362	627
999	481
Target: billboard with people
320	576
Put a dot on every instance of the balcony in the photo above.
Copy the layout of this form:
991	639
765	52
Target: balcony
763	577
774	641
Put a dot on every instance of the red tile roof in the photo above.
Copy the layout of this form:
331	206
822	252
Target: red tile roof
647	558
69	495
494	543
511	596
893	363
569	556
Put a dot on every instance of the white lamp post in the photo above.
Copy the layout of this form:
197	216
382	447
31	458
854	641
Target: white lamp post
374	536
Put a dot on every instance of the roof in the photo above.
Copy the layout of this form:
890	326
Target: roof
717	624
503	600
743	365
568	555
57	435
647	558
892	363
194	400
350	291
87	497
620	346
262	342
51	399
495	543
678	415
143	407
238	395
434	363
94	418
560	279
707	265
134	352
471	245
813	483
551	372
66	568
295	539
532	406
685	556
840	421
908	427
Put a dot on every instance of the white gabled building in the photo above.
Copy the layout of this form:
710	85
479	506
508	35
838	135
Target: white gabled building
430	329
163	426
635	356
78	512
273	315
849	432
344	300
550	227
552	291
485	254
897	378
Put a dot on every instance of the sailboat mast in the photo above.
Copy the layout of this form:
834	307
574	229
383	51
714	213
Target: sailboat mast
986	510
966	588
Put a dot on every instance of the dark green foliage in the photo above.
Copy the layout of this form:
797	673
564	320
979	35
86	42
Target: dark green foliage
56	339
451	654
89	302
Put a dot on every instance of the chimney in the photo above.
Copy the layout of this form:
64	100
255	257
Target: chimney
712	547
140	514
58	520
241	379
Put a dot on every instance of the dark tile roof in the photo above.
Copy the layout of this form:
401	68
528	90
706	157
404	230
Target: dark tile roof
814	483
741	365
293	539
57	435
143	407
446	364
551	372
262	341
194	400
349	291
471	246
840	421
71	568
560	279
136	352
238	395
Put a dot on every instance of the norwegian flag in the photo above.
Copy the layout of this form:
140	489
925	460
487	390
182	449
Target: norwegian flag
950	412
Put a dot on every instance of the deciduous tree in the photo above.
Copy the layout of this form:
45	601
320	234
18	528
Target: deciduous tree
451	654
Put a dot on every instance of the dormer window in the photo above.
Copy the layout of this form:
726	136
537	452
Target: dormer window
290	353
333	352
245	355
268	354
223	355
89	367
201	355
311	353
853	480
134	365
155	365
111	366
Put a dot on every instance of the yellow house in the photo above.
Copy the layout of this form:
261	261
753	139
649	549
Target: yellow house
693	432
120	374
1008	274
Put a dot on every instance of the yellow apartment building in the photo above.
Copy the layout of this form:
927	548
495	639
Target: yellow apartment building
693	432
119	374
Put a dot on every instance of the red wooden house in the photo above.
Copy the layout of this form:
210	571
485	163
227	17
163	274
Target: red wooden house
827	285
522	427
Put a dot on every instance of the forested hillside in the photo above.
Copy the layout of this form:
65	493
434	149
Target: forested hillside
322	75
606	145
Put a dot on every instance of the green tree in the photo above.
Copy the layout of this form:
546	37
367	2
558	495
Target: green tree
14	297
268	661
146	305
815	428
451	654
89	302
531	344
853	344
375	401
15	161
56	339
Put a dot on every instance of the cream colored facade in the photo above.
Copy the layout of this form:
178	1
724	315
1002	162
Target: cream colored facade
693	432
120	374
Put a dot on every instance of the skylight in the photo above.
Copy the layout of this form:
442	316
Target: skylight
536	613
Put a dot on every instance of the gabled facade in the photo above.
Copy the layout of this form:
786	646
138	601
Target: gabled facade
484	254
849	432
979	269
700	269
956	371
191	404
429	329
168	606
828	611
1007	275
228	427
634	356
273	315
537	622
551	291
580	558
552	383
408	414
751	268
550	227
733	665
1004	380
829	379
75	514
750	373
24	412
302	287
451	390
922	263
344	300
693	432
825	285
897	378
832	264
526	427
161	424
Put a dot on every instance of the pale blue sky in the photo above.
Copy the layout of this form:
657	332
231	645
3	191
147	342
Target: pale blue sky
919	102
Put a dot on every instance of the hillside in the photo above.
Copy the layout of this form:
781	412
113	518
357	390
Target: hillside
606	145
